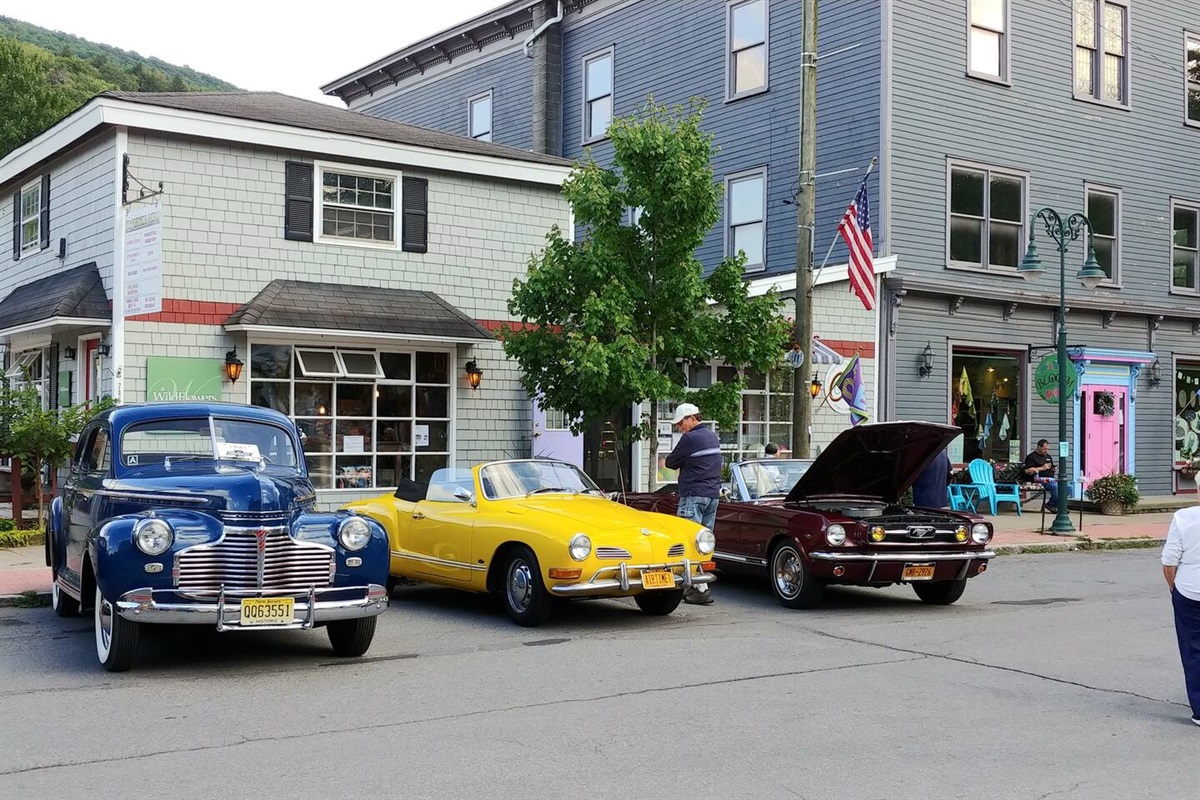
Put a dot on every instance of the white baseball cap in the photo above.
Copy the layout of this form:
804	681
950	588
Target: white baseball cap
684	410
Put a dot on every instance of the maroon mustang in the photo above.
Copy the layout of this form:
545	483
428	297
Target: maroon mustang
838	519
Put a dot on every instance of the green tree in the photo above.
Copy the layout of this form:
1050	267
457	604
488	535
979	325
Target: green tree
615	319
30	101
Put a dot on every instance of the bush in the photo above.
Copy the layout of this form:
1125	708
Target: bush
7	525
12	537
1118	487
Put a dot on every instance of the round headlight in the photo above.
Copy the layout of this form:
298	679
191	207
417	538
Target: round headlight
878	533
960	533
980	533
835	534
580	547
705	541
153	536
354	533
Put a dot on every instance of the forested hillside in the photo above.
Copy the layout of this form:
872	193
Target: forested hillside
45	75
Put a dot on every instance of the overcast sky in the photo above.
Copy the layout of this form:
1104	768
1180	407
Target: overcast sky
290	47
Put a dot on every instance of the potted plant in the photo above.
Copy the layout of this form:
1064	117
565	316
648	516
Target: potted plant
1191	471
1116	493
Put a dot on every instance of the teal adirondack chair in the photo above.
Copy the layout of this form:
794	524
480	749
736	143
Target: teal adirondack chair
984	479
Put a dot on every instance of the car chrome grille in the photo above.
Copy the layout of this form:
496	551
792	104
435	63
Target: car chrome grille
676	551
255	519
916	529
283	566
618	553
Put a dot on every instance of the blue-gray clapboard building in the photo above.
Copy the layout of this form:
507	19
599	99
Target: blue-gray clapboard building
980	111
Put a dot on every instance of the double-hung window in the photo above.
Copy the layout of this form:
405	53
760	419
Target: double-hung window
357	205
987	43
597	95
1104	212
31	217
745	212
1191	69
987	213
1185	247
746	70
479	117
1102	51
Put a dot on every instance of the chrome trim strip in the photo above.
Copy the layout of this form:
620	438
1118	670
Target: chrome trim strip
144	497
760	562
373	602
441	562
826	556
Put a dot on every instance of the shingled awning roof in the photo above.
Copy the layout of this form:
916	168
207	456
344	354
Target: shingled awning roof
73	298
339	310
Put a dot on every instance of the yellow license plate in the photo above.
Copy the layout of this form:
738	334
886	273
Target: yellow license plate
267	611
917	572
658	579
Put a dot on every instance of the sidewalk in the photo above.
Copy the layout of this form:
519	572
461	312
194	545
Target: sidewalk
23	569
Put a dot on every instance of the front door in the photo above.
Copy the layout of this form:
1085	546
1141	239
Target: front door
1103	415
552	437
607	457
439	536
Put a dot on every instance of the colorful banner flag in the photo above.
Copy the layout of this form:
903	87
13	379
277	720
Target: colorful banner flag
850	386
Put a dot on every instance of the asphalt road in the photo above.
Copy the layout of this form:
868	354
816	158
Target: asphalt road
1054	676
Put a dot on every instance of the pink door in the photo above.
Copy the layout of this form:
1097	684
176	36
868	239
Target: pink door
552	437
1103	430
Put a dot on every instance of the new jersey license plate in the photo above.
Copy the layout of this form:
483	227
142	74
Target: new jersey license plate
267	610
917	572
658	579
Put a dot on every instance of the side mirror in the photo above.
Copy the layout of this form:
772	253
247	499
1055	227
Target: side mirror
725	495
463	494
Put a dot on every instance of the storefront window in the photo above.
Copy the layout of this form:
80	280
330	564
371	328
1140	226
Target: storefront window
359	431
1187	411
985	402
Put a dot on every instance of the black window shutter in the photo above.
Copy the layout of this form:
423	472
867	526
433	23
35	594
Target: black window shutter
16	224
45	226
414	224
298	205
52	368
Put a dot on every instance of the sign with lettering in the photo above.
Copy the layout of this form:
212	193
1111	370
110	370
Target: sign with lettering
171	380
1045	379
143	259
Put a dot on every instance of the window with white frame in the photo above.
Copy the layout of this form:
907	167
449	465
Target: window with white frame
597	95
1192	77
987	43
479	117
28	369
357	205
368	418
31	217
556	419
1101	50
1185	247
745	212
1104	212
747	57
986	217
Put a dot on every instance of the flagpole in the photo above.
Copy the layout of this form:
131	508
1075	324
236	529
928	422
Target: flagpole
833	244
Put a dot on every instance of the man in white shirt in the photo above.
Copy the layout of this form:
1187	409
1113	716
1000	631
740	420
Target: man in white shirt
1181	568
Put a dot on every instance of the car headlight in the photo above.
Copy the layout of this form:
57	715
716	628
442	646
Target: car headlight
980	533
580	547
960	533
153	536
705	541
878	534
354	533
835	534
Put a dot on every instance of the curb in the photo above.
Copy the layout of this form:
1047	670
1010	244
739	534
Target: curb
1076	544
30	599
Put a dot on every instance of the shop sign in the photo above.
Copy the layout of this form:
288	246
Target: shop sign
171	380
1045	379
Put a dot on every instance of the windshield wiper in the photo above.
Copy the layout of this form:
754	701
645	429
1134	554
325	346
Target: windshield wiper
589	489
544	489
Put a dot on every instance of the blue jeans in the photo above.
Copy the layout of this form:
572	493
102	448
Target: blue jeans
1051	485
1187	630
702	510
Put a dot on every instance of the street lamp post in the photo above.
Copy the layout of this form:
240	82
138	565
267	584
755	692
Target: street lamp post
1062	232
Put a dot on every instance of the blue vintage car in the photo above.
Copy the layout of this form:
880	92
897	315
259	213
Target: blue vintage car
204	514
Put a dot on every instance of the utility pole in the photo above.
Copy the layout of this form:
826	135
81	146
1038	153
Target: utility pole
802	402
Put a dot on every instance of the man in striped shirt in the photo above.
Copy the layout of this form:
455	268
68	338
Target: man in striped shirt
698	459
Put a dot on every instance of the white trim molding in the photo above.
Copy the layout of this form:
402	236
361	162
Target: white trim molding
834	273
300	334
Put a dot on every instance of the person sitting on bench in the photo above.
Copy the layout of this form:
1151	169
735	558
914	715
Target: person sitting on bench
1039	467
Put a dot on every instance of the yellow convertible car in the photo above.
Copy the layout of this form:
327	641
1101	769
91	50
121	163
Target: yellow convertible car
532	531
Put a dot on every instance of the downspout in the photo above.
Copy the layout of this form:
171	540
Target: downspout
528	46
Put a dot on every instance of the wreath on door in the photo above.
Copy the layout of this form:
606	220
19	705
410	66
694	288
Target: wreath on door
1105	404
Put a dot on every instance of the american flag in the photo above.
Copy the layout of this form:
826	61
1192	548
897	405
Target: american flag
855	228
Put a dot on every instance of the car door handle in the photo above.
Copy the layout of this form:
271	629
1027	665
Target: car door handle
418	515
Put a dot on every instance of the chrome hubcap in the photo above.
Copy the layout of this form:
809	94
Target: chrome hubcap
55	600
520	586
788	573
104	623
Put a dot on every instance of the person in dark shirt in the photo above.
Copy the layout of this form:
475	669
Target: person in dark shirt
930	490
698	459
1039	467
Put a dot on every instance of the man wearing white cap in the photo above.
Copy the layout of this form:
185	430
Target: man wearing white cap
698	459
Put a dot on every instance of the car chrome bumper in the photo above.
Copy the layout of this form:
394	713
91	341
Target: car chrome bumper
139	605
616	579
910	557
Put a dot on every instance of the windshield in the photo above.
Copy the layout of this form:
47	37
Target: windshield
524	478
770	477
163	441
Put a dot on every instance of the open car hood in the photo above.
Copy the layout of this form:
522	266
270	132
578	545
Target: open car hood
875	460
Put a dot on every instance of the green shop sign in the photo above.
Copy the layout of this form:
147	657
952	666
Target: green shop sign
1045	380
171	380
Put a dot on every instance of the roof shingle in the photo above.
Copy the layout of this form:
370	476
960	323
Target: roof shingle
77	293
